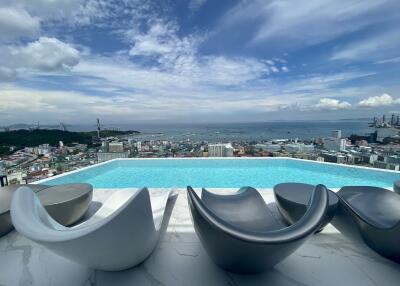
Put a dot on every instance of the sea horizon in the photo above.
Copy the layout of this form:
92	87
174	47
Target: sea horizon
238	131
254	131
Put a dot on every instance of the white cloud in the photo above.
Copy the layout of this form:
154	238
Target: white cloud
161	42
323	82
332	104
162	72
23	104
179	57
310	23
29	13
274	69
186	77
115	88
45	54
16	22
69	12
379	100
51	9
390	60
375	47
270	62
219	70
20	20
218	79
196	4
204	84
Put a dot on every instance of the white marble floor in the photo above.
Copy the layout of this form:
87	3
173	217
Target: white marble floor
326	259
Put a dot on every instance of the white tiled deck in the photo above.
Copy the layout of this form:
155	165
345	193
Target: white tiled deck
326	259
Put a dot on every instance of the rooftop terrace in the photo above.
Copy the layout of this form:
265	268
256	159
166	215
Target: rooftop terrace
328	258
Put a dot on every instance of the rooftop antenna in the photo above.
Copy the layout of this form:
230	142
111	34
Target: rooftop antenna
98	127
63	127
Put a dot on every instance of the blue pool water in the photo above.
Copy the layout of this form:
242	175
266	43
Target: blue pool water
224	173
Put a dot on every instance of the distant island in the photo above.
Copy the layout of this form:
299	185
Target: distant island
356	119
23	138
19	126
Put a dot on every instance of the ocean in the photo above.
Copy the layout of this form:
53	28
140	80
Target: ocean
236	132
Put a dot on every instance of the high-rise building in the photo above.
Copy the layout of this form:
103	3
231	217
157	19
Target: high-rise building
216	150
44	149
2	168
220	150
106	156
104	146
138	145
393	120
269	147
98	128
334	144
299	147
228	150
115	147
336	134
3	175
63	127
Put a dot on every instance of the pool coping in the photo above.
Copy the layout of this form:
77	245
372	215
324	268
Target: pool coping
212	158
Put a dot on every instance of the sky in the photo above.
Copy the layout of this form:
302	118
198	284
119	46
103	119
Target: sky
130	61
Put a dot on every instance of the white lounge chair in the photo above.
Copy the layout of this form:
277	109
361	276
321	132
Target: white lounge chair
122	233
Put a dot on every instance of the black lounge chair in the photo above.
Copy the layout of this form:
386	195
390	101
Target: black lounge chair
396	187
240	233
370	215
292	200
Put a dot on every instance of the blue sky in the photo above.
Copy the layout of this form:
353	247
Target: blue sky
197	60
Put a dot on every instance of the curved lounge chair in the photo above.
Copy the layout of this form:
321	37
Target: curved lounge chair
6	194
370	215
121	234
66	203
396	187
241	235
292	200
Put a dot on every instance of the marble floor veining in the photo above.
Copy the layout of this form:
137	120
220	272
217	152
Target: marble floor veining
327	258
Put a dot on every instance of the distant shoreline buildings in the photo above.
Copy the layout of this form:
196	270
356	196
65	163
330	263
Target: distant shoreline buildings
380	149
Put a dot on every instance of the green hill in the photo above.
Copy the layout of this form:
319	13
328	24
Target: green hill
25	138
29	138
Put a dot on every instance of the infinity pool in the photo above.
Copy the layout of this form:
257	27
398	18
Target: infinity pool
222	173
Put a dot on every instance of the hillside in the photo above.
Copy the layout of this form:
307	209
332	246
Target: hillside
24	138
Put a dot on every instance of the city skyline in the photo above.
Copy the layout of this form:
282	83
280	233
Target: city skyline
197	61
